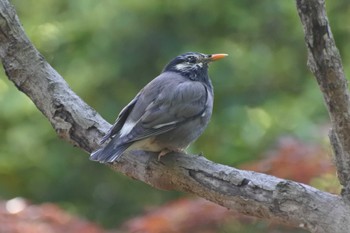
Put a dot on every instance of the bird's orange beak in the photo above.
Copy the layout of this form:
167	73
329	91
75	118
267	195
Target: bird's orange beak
218	56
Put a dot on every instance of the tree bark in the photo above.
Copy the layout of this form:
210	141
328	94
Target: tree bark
325	63
247	192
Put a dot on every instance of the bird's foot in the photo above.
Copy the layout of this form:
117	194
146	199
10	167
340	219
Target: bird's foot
167	151
163	152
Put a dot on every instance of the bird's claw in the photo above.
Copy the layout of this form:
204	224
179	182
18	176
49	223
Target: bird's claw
162	153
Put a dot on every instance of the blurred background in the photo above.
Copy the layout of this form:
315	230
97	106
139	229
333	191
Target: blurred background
268	113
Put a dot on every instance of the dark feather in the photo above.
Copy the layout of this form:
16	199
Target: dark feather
111	152
123	115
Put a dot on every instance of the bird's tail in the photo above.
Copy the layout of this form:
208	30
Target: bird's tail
110	153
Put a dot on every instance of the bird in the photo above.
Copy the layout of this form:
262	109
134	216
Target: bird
168	114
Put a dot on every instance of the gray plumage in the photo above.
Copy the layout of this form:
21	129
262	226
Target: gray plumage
168	114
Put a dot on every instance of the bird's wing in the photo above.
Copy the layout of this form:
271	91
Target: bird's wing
174	105
120	121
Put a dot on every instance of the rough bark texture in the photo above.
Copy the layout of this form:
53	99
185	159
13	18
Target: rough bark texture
325	63
247	192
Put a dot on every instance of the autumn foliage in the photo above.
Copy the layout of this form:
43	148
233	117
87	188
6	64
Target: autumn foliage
19	216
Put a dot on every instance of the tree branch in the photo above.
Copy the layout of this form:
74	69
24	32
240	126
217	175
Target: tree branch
32	75
247	192
325	63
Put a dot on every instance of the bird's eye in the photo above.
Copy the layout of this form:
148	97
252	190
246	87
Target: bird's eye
191	59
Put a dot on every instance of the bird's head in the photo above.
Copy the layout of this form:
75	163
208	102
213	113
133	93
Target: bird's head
192	65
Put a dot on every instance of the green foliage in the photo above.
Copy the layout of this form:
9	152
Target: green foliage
107	50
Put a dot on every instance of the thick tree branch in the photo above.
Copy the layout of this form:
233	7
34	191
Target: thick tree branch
325	63
247	192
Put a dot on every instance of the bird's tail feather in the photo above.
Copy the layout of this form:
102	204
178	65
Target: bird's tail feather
110	153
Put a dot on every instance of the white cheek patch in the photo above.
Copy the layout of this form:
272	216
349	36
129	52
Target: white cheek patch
127	127
182	66
200	64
